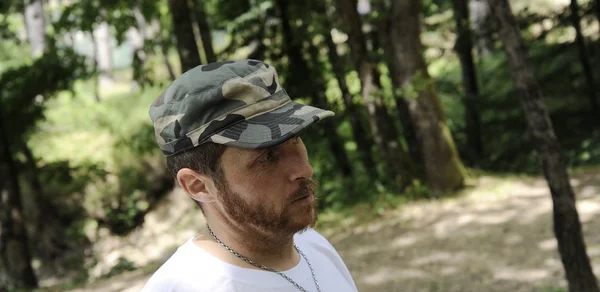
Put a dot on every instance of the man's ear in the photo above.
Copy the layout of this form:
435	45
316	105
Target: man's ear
198	186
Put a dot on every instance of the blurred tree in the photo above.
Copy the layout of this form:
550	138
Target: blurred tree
204	28
184	34
480	17
102	42
299	85
383	23
583	56
137	40
598	9
35	26
399	166
14	245
95	54
48	244
443	167
164	49
567	226
464	48
360	134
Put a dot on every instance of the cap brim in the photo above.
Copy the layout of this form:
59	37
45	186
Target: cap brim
271	128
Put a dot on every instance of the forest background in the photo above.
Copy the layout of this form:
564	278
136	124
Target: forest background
432	99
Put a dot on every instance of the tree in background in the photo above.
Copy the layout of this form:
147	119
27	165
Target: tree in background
137	41
480	17
443	167
184	34
598	9
362	139
567	227
399	165
313	87
464	49
583	56
14	244
381	35
35	26
204	29
103	48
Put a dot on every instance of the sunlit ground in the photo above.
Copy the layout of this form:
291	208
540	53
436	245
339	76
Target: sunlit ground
495	236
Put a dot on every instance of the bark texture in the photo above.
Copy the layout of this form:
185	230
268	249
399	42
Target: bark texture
204	28
583	56
567	226
14	247
184	34
443	167
35	26
464	48
398	163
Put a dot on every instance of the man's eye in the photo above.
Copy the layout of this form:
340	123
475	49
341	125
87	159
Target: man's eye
269	157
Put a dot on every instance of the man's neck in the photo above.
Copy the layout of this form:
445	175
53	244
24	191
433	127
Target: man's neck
272	251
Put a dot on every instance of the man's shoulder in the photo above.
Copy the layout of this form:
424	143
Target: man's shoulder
311	235
188	269
314	239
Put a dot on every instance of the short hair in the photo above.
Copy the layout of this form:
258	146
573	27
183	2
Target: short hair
205	159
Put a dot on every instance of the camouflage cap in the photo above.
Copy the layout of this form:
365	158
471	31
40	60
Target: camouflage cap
235	103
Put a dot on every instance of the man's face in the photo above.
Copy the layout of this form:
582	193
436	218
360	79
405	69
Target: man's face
269	189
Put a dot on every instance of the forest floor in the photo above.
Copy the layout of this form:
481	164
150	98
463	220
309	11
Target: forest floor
494	236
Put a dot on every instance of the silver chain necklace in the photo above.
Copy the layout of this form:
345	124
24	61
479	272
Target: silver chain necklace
235	253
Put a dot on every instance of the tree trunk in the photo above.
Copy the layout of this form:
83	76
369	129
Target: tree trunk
316	88
598	10
393	154
137	39
464	48
47	242
35	26
184	34
443	167
95	68
14	247
567	227
363	142
480	16
102	38
583	56
204	28
164	49
410	135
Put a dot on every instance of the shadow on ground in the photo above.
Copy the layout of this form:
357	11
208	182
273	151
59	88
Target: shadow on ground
496	236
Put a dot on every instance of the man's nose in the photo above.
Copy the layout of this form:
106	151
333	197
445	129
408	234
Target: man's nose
299	164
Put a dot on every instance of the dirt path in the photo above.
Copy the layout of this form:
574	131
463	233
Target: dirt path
496	236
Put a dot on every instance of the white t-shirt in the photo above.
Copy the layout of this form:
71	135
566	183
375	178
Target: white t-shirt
192	269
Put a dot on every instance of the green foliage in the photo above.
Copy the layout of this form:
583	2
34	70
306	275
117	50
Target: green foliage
99	161
120	155
23	89
505	137
123	265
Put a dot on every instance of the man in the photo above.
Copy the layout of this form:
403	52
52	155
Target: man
230	133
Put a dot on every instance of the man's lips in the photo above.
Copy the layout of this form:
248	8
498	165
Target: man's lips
300	198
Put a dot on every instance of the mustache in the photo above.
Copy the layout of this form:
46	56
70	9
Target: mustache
306	188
